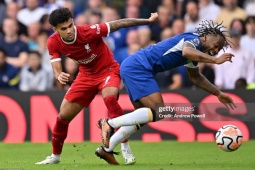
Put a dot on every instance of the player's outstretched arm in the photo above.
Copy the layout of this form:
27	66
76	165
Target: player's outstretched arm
58	74
189	52
201	81
130	22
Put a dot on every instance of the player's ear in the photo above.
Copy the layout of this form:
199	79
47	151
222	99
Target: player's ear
54	29
204	38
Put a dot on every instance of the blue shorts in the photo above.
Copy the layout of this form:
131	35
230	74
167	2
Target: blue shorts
138	80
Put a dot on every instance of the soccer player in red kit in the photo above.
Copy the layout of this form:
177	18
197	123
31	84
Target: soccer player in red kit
98	71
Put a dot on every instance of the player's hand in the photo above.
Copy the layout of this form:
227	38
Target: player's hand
226	100
154	17
63	77
223	58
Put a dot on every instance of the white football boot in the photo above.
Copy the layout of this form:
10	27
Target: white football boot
128	156
49	160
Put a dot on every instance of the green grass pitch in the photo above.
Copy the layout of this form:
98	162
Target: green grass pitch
164	155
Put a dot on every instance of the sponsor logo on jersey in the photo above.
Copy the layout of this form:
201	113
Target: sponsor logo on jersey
86	46
86	61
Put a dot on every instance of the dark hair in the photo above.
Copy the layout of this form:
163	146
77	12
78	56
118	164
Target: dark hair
209	28
60	15
36	53
249	19
3	51
241	83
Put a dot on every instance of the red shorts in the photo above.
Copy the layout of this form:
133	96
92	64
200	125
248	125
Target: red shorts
85	86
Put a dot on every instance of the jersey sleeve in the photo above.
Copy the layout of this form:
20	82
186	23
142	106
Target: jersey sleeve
96	30
193	40
53	52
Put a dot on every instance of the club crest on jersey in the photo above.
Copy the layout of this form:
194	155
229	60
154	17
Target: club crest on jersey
86	46
196	42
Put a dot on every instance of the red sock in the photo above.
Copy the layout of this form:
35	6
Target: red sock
59	135
114	108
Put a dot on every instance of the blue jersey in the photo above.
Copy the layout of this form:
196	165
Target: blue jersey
167	54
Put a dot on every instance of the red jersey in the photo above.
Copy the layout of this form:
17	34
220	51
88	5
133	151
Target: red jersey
88	48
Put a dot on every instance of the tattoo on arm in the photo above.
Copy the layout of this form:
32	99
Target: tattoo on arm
201	81
128	22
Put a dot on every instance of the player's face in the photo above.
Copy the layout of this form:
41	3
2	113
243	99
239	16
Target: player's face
212	45
66	30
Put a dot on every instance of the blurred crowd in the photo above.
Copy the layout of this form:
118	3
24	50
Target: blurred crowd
24	30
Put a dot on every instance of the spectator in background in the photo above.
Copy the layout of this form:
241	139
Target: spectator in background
238	24
81	5
166	33
248	40
178	26
132	11
132	41
33	30
45	25
32	13
164	16
16	50
240	83
170	4
34	77
144	36
9	75
37	40
96	4
230	11
208	10
116	40
81	19
12	10
2	12
93	16
179	8
249	9
51	5
242	67
192	19
70	5
142	11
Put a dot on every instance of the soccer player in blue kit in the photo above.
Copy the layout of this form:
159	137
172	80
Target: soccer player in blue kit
138	71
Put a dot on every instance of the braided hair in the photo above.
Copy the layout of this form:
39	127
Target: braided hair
209	28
